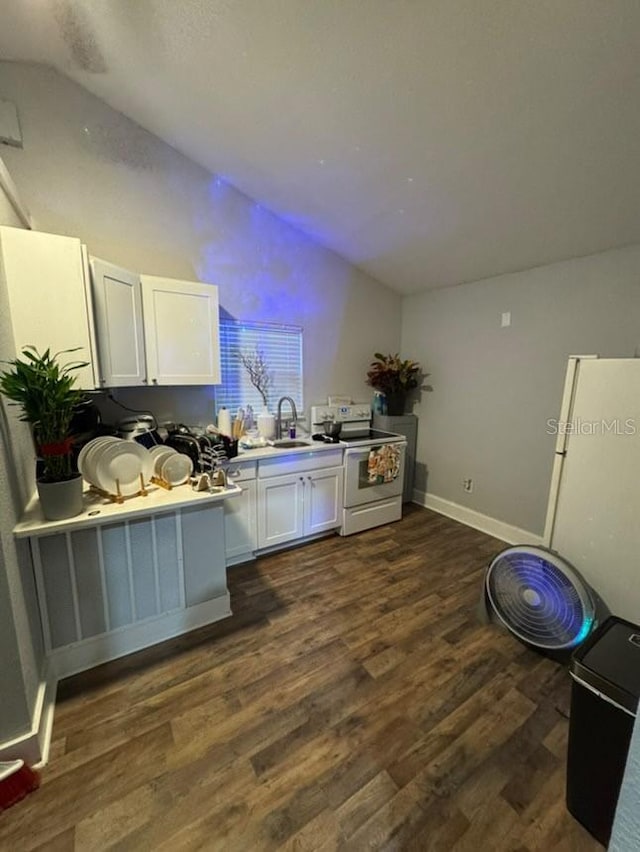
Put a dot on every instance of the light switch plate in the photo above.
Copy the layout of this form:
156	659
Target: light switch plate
506	319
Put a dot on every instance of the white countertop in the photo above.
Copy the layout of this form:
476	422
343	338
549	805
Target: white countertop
100	510
269	452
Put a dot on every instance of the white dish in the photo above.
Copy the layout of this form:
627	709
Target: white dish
147	464
119	467
88	466
88	447
159	458
92	457
176	469
160	448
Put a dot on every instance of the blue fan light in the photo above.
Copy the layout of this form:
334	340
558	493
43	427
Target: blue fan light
540	598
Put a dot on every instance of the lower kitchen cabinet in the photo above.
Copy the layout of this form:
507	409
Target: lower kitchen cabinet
297	505
323	500
240	516
280	508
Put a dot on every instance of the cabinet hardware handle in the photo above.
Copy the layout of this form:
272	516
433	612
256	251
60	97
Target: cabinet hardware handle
145	381
155	381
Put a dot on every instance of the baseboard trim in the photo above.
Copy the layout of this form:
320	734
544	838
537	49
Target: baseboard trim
33	747
81	656
484	523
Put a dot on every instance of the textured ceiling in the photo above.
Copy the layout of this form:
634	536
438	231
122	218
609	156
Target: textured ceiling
428	141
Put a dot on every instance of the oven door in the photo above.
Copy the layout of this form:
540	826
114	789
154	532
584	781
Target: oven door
373	473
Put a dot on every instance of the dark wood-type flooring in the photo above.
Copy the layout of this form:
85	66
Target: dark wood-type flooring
352	702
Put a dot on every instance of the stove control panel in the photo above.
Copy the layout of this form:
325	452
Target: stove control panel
358	412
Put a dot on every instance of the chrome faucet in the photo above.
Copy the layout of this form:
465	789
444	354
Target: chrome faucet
294	414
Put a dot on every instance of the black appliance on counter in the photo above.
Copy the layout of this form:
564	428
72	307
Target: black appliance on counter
141	428
326	439
205	451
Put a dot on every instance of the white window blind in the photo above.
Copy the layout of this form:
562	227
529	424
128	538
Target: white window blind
281	349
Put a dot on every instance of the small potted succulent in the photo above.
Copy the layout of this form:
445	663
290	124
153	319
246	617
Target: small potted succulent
44	389
393	377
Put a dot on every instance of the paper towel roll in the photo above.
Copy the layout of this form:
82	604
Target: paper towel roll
266	425
224	421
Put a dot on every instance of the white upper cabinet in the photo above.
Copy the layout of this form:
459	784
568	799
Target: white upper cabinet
132	329
181	331
117	299
46	281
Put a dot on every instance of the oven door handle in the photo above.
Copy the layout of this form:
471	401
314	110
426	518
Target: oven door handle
363	452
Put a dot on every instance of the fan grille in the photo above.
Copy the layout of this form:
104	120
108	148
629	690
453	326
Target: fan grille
540	598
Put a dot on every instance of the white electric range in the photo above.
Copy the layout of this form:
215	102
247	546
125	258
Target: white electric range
374	464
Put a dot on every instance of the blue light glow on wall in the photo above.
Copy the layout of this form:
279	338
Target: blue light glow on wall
263	266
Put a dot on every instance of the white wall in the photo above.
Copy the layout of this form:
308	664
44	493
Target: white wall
495	388
89	172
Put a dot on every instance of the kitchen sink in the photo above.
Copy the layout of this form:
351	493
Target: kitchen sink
289	445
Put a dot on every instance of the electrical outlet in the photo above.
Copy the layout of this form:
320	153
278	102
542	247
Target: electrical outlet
467	484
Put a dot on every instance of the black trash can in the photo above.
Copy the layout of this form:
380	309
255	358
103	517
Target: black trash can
605	671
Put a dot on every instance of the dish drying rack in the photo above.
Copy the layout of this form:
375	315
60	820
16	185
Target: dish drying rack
118	497
211	471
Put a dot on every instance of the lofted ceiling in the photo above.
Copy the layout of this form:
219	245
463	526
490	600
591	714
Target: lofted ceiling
430	142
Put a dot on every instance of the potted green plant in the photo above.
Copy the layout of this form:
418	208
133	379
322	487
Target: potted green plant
45	390
394	377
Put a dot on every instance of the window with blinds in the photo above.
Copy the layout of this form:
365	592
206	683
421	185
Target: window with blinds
281	349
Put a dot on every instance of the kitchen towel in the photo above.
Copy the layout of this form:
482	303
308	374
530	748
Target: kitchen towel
383	464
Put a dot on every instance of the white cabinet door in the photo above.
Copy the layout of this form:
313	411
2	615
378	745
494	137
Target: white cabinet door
181	331
280	510
240	523
322	500
117	300
49	298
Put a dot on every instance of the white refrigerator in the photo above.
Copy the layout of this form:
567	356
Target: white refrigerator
593	517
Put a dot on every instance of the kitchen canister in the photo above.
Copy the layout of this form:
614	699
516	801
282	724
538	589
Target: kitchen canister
224	421
266	424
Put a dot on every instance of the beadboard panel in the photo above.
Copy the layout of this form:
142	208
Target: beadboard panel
98	581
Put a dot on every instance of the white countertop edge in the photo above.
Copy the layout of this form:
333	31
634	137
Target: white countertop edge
270	452
32	524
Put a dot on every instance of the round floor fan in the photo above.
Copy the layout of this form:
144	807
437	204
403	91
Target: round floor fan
540	598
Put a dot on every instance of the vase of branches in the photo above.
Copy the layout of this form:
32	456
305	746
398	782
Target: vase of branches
260	377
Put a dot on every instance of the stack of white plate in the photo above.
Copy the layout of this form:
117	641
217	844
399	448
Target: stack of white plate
170	465
115	466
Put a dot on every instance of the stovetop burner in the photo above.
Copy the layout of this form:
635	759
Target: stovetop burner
363	435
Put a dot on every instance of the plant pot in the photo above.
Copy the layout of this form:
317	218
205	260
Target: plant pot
60	500
396	403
